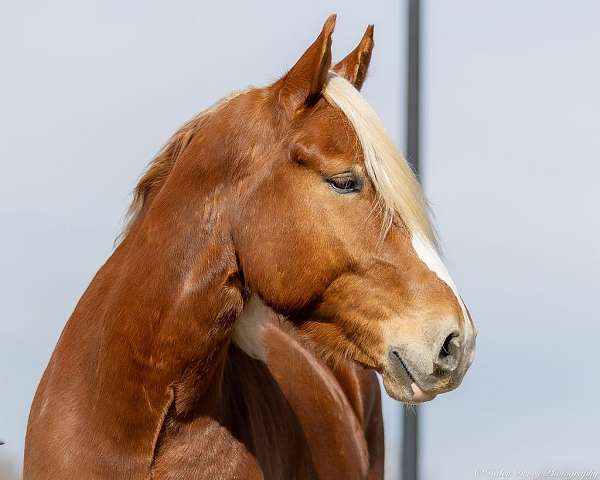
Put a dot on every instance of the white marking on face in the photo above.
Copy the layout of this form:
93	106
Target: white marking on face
249	328
430	257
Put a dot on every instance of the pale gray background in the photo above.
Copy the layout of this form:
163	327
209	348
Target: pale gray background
89	91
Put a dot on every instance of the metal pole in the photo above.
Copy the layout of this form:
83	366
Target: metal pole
413	94
410	423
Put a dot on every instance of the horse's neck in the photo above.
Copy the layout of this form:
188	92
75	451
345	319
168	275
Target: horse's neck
173	305
146	342
149	334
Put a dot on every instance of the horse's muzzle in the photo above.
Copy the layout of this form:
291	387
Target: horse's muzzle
415	374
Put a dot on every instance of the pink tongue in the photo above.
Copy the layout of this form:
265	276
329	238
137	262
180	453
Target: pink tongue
419	395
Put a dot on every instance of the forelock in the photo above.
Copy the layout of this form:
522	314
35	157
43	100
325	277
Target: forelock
399	193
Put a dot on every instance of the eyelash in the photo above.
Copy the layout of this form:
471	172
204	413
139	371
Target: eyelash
347	182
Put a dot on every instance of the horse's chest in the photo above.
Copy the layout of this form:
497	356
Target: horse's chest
283	419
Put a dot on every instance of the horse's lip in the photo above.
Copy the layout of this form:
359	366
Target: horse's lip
418	394
406	370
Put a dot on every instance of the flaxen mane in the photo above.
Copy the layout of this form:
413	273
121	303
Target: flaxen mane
398	191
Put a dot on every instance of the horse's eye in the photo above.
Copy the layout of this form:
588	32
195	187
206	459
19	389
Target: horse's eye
347	182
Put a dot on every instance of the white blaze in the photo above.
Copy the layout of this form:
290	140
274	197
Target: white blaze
430	257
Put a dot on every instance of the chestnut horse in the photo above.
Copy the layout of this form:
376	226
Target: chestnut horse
278	254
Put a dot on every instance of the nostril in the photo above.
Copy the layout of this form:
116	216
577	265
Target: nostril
445	351
449	353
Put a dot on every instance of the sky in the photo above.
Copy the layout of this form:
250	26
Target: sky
91	90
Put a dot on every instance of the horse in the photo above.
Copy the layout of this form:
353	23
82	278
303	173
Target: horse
278	254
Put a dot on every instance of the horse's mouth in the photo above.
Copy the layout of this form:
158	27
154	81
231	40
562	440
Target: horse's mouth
401	385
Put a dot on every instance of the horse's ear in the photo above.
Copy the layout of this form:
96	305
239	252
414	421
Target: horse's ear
355	65
303	84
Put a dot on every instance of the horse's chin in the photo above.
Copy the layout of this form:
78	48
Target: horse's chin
405	392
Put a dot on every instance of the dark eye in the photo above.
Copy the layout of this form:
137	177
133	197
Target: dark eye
347	182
